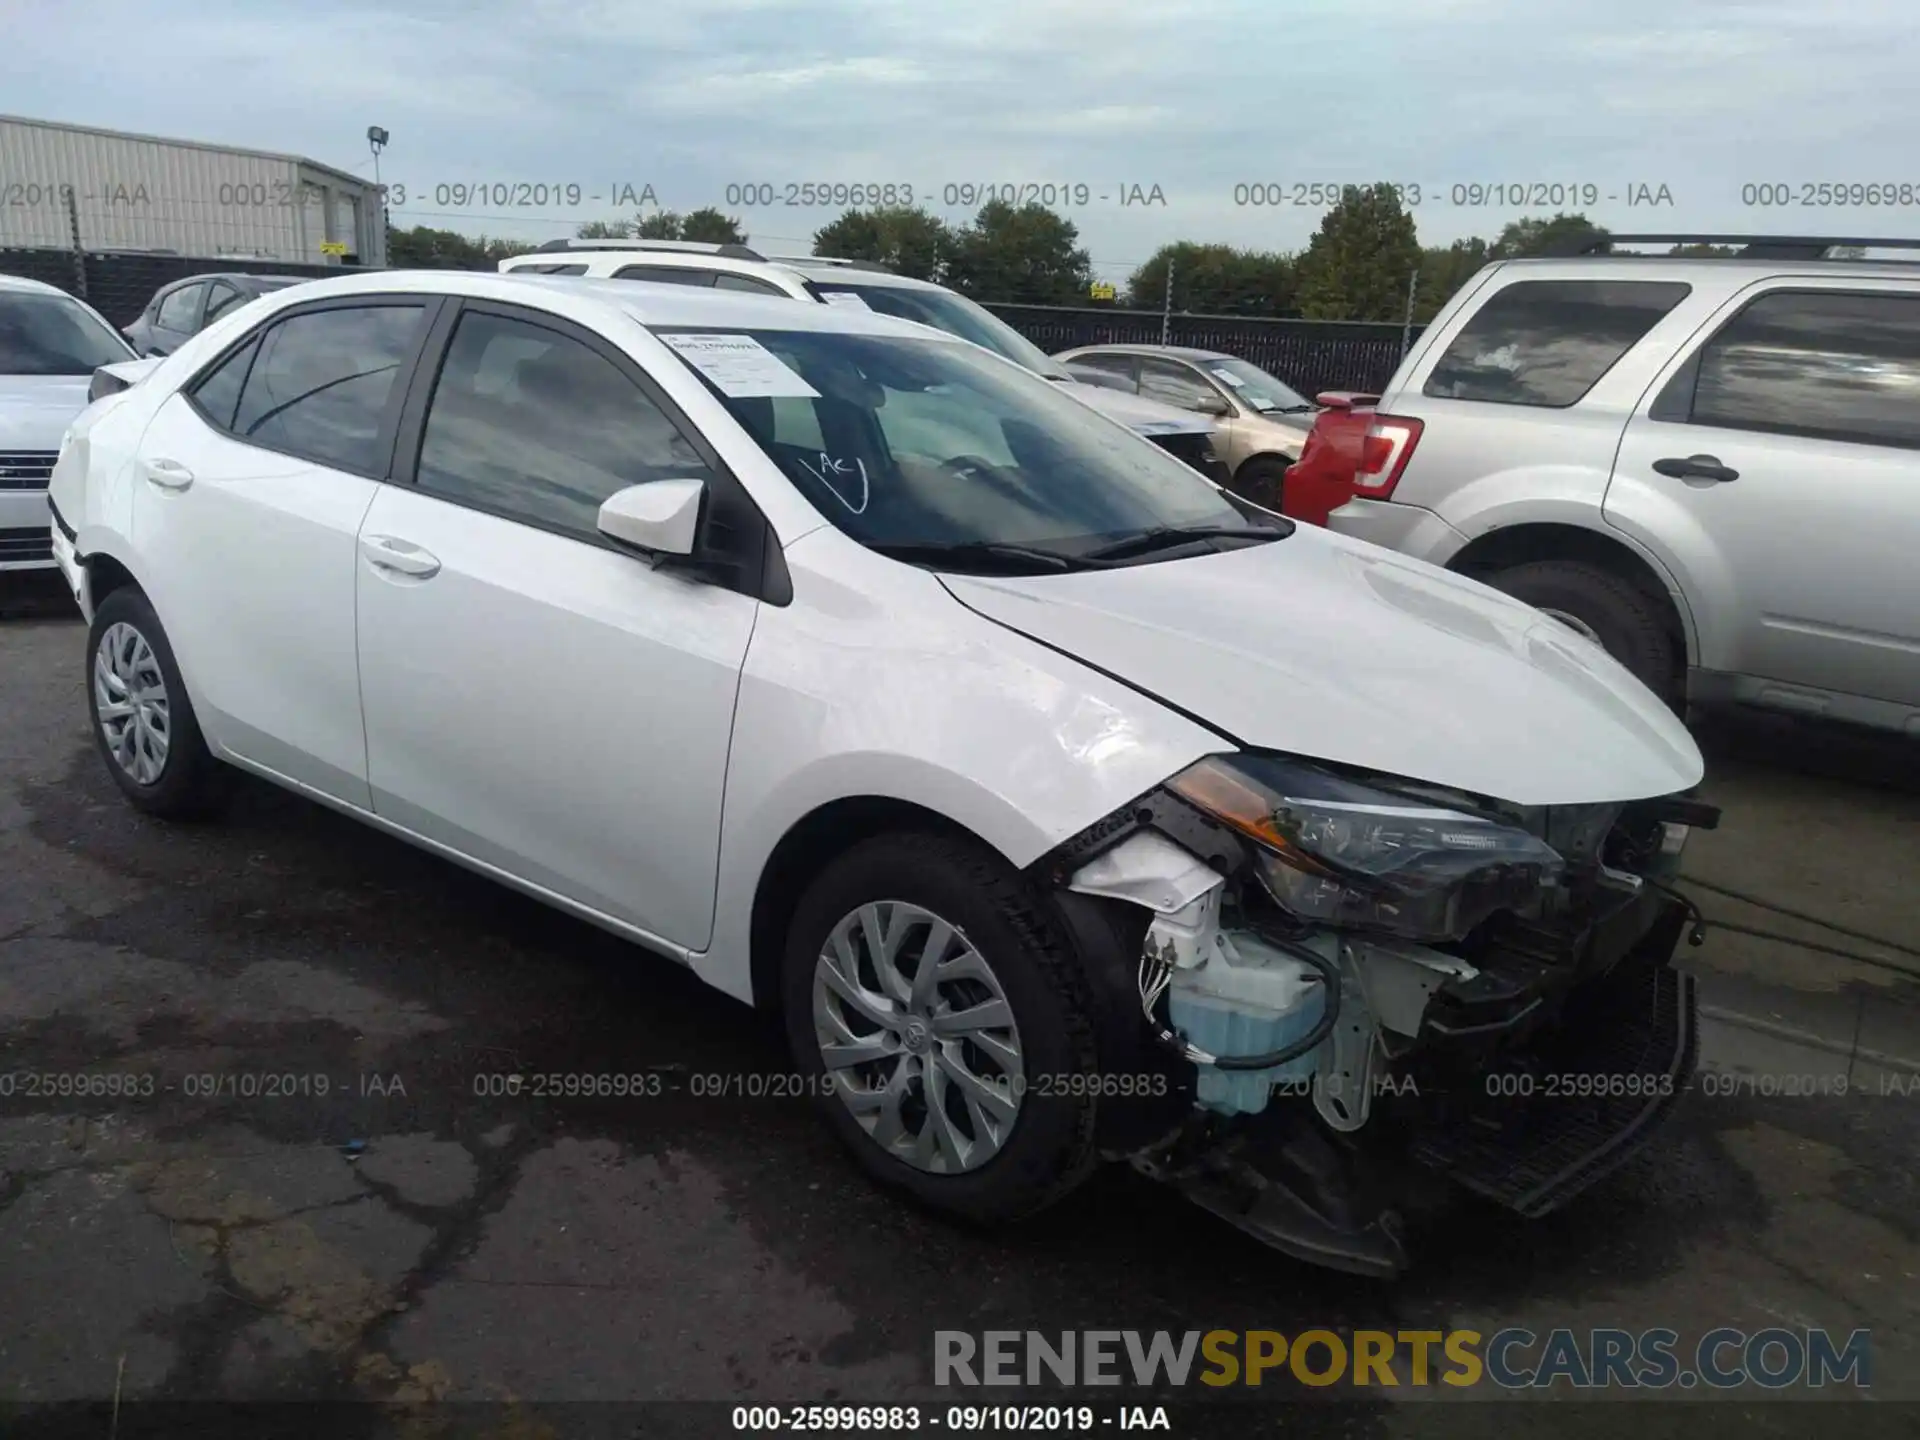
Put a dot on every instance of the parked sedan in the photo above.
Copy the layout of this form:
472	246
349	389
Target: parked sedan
50	346
1263	421
188	306
897	692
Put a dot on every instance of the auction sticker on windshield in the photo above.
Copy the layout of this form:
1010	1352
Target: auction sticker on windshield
844	297
740	366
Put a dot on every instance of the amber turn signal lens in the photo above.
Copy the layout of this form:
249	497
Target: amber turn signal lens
1234	800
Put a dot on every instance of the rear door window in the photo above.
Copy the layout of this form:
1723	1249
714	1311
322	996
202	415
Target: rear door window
321	383
1818	363
1548	342
180	311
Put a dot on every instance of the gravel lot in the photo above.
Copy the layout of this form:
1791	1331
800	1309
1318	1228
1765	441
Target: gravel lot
403	1237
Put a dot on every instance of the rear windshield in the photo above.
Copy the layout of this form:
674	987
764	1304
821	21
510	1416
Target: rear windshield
53	335
1548	342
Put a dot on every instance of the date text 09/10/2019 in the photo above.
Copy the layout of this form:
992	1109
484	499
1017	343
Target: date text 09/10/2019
1466	195
954	1419
963	194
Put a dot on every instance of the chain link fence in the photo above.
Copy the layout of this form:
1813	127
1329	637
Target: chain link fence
1310	355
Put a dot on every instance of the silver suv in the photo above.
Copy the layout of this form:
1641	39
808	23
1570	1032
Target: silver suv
1709	466
1189	437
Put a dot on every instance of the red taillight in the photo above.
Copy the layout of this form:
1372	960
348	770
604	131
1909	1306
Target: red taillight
1384	452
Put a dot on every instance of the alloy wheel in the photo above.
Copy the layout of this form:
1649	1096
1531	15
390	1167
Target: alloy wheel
918	1037
130	697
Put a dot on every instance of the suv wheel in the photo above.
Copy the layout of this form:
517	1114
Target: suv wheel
1610	610
940	1018
143	722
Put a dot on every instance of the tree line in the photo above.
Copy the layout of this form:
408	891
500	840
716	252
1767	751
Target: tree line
1357	266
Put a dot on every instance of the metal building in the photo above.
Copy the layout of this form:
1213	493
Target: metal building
141	192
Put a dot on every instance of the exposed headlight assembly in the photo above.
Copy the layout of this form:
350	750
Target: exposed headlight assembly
1343	854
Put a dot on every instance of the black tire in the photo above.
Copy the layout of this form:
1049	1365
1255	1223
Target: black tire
190	784
1050	1148
1632	625
1262	480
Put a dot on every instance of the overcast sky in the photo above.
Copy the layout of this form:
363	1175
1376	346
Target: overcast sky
1195	97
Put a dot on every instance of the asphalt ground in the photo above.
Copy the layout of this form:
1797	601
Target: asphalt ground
374	1225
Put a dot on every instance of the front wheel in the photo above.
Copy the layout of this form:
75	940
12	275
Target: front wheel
143	722
942	1019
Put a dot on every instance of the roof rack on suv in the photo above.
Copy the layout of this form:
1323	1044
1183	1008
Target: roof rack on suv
731	252
1752	247
832	260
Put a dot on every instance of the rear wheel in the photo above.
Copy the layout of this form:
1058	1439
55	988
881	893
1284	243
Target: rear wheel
1262	480
942	1019
1618	615
143	722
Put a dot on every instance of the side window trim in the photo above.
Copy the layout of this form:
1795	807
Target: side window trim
729	503
382	468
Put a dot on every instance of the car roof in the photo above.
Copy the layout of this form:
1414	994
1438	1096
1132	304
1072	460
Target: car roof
1740	270
652	305
21	283
818	269
1175	352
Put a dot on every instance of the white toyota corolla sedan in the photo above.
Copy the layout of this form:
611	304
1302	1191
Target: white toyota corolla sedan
1061	806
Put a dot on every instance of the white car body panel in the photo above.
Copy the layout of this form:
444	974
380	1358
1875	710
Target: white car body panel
614	679
253	565
632	745
1021	745
1428	675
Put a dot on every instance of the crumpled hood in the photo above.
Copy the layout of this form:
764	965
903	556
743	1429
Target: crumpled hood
35	410
1333	649
1136	412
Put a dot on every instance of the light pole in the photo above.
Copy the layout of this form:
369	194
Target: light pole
376	142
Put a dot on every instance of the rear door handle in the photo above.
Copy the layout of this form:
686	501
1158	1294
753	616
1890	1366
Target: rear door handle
167	474
384	552
1695	467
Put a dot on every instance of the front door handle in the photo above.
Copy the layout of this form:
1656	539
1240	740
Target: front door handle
167	474
1695	467
384	552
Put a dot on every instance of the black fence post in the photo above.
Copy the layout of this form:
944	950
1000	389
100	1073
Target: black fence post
79	251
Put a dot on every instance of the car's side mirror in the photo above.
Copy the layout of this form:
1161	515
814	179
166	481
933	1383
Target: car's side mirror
661	518
1213	405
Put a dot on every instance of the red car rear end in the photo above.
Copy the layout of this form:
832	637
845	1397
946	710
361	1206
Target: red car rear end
1321	480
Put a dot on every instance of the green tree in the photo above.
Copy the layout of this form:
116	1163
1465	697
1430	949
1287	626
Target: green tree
605	230
1360	259
905	238
1214	280
707	226
422	248
1443	270
1531	236
1028	255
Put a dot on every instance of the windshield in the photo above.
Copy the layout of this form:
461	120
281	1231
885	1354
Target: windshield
955	314
53	335
1255	387
924	443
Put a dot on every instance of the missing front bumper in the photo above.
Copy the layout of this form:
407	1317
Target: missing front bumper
1530	1133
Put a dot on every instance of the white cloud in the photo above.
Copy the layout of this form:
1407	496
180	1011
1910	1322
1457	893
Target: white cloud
689	95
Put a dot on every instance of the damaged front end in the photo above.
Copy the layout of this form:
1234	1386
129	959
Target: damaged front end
1355	984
